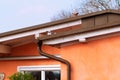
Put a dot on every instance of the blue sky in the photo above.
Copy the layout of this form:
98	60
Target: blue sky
16	14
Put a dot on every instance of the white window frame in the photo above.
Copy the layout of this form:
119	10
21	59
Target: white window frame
41	68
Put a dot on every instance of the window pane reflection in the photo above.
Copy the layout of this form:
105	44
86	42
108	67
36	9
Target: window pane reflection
36	75
52	75
49	75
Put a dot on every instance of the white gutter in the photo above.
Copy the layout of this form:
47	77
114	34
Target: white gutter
81	37
42	30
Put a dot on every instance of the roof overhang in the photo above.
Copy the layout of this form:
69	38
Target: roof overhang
88	26
9	40
82	37
38	31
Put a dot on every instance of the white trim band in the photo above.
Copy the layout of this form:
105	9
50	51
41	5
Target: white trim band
42	30
82	37
38	68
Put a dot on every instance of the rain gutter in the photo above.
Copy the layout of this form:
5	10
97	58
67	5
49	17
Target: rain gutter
55	58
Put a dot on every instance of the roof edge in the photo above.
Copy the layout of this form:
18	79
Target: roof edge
57	22
81	30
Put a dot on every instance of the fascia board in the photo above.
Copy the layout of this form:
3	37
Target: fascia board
38	31
81	36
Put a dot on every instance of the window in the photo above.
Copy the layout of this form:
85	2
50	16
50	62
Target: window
49	72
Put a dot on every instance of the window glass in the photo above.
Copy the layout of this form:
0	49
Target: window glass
52	75
36	75
48	75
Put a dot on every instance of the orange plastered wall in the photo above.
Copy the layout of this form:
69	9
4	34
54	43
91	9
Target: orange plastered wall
25	50
10	67
31	49
94	60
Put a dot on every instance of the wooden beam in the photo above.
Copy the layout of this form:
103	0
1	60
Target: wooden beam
4	49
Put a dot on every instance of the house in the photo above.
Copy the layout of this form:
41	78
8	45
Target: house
85	47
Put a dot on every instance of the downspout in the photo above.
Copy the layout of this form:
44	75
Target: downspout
55	58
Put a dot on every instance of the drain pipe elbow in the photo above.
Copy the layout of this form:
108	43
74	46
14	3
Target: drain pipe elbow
55	58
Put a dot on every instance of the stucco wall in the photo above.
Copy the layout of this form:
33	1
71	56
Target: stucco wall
94	60
10	67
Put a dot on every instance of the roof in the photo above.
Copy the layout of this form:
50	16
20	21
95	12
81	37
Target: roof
79	28
78	31
89	19
57	22
63	32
